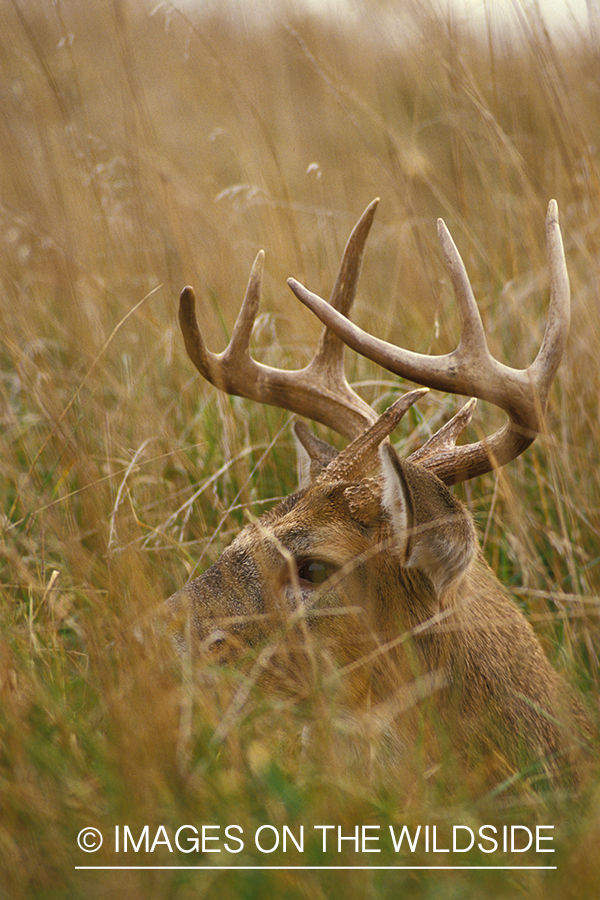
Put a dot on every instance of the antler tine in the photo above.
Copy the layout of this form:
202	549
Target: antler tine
320	390
444	440
546	363
330	352
215	367
362	454
242	330
470	369
473	343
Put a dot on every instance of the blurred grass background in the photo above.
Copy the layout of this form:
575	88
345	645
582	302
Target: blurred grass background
144	147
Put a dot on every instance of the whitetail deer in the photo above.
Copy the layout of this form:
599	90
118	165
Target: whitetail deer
374	558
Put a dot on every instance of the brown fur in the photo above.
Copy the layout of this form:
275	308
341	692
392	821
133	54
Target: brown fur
410	614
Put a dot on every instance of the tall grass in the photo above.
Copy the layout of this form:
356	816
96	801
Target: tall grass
144	148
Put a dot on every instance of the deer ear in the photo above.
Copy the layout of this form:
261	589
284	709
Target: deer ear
433	530
313	454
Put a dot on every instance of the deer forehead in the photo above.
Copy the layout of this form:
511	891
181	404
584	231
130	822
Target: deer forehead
332	519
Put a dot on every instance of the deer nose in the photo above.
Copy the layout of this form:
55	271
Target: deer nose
216	640
222	647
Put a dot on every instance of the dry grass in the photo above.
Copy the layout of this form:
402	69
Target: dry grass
144	149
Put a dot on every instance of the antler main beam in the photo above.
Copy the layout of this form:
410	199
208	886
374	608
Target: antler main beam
470	369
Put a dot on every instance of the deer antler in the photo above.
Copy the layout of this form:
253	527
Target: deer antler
470	369
320	390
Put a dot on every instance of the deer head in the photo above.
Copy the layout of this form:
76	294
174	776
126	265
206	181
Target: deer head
373	557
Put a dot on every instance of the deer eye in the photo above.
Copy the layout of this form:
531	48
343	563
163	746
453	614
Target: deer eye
314	571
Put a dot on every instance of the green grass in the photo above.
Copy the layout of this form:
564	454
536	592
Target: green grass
121	473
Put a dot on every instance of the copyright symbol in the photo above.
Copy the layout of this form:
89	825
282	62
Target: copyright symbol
89	839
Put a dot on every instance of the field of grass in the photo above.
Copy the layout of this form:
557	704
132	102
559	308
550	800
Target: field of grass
144	147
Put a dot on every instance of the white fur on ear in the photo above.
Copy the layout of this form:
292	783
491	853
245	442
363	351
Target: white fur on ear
397	501
434	531
303	464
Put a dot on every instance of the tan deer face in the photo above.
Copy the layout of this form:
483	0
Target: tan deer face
375	559
358	561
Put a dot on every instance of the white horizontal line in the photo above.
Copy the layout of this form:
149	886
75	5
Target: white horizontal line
314	868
